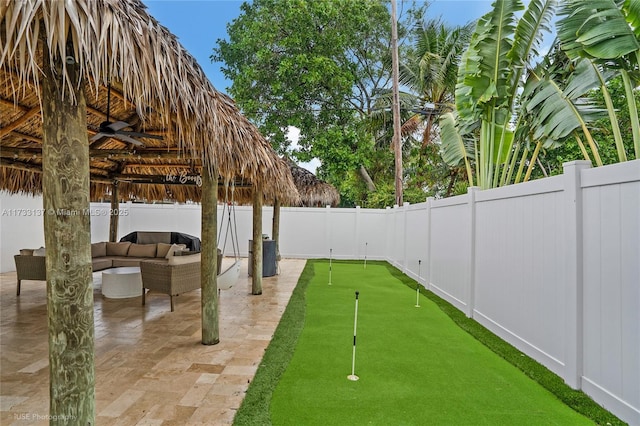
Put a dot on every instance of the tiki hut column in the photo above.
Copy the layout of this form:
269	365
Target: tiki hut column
67	236
275	226
209	258
256	281
114	218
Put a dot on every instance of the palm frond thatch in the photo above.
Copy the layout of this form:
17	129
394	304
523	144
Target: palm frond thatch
313	192
158	88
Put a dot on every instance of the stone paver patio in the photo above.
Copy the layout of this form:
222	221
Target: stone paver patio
151	368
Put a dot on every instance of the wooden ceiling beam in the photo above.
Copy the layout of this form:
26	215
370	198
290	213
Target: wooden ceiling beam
25	137
19	165
102	176
107	154
10	103
163	166
21	120
37	168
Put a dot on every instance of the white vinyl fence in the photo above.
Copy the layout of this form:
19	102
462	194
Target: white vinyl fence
551	266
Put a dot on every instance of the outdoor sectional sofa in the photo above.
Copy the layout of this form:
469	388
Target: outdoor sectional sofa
106	255
165	268
30	263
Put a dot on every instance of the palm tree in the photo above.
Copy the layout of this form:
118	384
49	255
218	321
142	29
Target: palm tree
429	72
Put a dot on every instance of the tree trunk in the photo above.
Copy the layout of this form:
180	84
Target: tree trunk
256	281
397	137
426	135
453	175
275	227
367	179
113	216
67	236
209	258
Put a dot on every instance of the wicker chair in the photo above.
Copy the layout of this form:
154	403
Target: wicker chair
30	268
169	279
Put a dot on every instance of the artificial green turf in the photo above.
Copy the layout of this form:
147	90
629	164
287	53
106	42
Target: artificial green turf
416	366
323	396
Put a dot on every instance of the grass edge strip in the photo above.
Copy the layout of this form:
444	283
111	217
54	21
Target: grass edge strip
254	409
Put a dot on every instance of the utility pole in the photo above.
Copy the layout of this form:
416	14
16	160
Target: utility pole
397	144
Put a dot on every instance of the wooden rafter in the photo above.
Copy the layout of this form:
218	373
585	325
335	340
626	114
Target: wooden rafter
17	123
109	154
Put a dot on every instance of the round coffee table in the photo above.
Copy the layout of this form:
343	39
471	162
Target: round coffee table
121	283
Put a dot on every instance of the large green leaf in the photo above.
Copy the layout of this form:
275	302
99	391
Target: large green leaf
632	12
598	28
502	144
528	37
453	148
555	111
485	67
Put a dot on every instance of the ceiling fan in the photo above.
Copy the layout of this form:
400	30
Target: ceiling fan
114	130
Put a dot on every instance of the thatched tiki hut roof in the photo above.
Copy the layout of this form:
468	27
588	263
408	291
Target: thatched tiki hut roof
313	192
156	87
94	92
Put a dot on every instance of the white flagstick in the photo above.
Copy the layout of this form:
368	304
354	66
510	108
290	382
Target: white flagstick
418	286
365	255
353	376
330	252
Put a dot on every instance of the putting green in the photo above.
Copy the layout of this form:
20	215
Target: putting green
415	365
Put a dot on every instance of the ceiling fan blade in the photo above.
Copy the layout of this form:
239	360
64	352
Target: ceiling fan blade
139	134
125	138
97	136
118	125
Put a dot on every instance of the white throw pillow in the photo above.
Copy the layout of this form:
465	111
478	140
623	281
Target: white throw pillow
39	252
172	249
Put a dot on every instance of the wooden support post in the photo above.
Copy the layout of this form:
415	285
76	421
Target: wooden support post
209	258
114	218
275	227
397	128
67	236
256	281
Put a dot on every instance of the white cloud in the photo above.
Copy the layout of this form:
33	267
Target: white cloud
293	135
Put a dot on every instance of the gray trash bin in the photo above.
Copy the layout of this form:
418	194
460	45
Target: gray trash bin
269	267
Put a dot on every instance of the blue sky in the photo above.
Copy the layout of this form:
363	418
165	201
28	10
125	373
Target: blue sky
198	24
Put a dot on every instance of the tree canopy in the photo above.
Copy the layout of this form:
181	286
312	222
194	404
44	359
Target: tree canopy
314	65
324	67
483	106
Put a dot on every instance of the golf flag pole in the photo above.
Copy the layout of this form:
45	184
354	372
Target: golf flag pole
418	286
353	376
365	254
330	253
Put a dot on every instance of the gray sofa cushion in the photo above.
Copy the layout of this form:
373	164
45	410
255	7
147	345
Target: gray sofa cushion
99	249
118	249
162	249
142	250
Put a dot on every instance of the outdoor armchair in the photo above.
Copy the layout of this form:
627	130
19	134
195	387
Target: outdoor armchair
179	276
30	268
